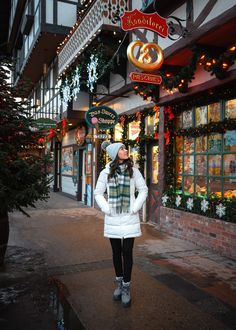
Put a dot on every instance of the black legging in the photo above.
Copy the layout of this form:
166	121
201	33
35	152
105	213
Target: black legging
123	247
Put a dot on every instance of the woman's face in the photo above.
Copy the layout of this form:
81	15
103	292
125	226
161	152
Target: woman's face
123	153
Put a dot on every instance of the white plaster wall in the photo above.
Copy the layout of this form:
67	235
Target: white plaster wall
69	138
218	9
68	185
121	105
82	102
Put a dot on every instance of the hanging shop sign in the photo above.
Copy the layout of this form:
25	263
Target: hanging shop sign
137	20
101	117
80	135
45	123
145	78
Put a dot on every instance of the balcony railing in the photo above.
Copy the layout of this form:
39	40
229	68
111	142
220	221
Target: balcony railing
100	14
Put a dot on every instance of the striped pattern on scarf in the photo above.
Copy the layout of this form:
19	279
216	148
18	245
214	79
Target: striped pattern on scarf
119	191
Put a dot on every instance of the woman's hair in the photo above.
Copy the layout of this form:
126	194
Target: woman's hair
115	164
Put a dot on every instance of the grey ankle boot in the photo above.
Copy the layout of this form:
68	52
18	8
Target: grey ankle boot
118	290
125	296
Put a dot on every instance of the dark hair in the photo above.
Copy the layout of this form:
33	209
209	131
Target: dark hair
115	164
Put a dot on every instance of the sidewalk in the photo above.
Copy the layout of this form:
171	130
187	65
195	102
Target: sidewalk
175	284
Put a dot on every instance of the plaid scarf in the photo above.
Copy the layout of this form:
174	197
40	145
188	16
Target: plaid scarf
119	191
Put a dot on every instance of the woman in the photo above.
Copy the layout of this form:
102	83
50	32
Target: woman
120	179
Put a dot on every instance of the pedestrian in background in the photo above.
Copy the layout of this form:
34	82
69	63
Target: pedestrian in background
121	224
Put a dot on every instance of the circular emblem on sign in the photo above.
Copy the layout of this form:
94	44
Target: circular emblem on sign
101	117
145	61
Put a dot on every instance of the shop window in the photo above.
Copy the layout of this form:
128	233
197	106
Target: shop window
67	161
214	112
155	164
187	119
178	144
201	144
201	115
134	130
151	124
230	109
206	164
118	132
134	154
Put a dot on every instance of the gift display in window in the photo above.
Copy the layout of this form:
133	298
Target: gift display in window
67	161
134	130
230	188
214	112
189	184
179	165
178	182
230	109
230	141
155	164
230	165
201	165
178	144
187	119
201	115
133	154
215	143
214	166
201	185
188	145
214	186
118	132
151	124
178	121
189	164
201	144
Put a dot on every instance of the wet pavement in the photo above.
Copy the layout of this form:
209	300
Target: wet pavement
59	275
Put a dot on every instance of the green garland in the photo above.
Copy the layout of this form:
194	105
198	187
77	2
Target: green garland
212	200
212	127
216	65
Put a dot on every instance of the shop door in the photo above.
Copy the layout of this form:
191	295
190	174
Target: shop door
81	175
152	181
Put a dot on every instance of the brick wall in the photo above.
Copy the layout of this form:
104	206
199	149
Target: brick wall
214	234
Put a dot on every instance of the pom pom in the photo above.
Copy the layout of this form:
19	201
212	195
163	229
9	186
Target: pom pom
104	145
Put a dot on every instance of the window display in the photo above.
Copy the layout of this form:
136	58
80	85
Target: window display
201	165
155	164
230	109
206	164
189	184
230	141
201	186
151	124
178	144
215	186
201	144
134	153
215	143
67	161
134	130
214	166
187	119
189	164
214	112
201	115
178	121
118	132
188	145
179	165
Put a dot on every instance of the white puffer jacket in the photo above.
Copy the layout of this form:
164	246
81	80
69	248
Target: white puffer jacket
127	224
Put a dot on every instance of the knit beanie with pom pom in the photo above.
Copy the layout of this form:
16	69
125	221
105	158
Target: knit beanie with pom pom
111	148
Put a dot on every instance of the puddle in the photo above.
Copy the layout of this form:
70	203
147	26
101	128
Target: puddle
66	318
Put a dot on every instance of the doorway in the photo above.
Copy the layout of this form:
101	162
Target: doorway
152	181
81	175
